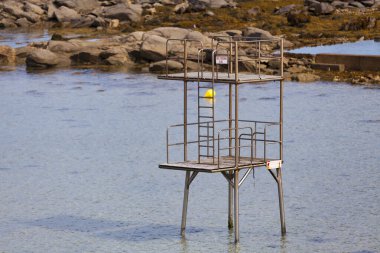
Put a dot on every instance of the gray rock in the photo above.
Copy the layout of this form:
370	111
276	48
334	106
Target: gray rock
311	2
64	46
169	32
64	14
43	58
275	64
7	55
7	23
51	11
90	57
153	48
257	33
87	21
305	77
357	4
15	9
368	3
123	12
161	66
323	9
80	6
340	4
29	7
218	3
23	22
181	8
286	9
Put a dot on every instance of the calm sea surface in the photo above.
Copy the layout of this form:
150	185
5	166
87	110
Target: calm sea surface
365	47
79	152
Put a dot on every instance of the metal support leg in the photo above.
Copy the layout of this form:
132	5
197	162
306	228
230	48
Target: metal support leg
281	201
236	204
230	204
185	201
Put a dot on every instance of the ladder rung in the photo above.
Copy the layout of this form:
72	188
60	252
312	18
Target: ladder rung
206	97
209	107
205	146
208	117
206	126
206	155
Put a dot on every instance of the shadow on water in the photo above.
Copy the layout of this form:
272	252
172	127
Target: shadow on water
114	230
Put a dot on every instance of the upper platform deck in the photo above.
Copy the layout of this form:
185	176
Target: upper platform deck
225	60
221	77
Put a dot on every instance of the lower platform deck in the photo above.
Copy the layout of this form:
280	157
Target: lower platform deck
226	163
221	77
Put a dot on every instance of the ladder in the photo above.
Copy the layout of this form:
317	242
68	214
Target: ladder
206	123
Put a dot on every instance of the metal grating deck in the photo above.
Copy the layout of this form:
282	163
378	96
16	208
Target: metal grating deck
221	77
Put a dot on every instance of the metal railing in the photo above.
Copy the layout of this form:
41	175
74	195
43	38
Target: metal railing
254	136
253	51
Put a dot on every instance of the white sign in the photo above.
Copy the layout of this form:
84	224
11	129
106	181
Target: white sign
274	164
221	59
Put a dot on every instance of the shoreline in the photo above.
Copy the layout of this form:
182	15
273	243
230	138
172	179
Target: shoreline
131	35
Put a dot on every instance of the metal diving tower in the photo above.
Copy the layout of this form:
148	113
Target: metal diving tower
229	146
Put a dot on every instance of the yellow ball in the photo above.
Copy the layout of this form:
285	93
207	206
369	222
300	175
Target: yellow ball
210	93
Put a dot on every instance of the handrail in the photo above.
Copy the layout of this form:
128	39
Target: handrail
184	42
237	156
253	138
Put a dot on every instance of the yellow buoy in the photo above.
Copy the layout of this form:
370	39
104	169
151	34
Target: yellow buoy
210	93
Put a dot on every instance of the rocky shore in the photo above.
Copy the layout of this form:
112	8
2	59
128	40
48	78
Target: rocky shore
134	47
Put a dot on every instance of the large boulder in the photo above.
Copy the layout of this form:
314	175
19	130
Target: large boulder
64	14
124	12
16	10
43	58
161	66
80	6
320	8
153	48
7	23
7	55
30	7
305	77
169	32
63	46
214	3
257	33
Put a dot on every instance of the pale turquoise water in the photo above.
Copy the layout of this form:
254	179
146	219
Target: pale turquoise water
78	168
366	47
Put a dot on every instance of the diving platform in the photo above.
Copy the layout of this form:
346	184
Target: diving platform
229	146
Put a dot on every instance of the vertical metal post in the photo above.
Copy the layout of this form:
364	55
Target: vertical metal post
281	201
185	103
279	172
185	201
236	204
230	188
236	174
